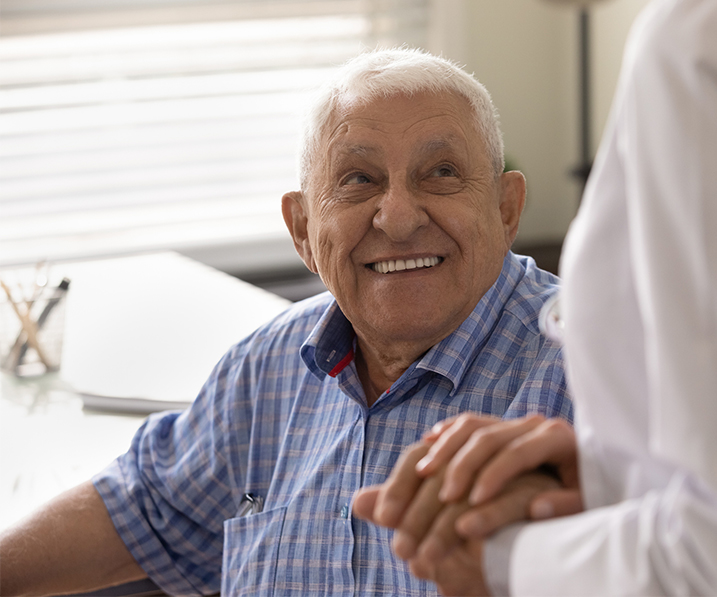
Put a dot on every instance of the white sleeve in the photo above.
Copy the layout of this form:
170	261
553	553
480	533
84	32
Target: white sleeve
497	550
664	540
664	543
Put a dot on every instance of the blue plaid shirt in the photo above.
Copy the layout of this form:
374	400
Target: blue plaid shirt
283	416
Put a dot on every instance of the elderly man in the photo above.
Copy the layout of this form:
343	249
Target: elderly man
406	214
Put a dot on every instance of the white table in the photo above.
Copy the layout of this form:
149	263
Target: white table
149	326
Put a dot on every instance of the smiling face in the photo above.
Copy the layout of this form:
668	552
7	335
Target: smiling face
404	218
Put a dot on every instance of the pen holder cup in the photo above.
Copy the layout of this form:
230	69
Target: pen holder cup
31	334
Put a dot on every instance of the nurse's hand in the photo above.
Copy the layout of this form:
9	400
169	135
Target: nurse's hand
482	461
487	456
426	535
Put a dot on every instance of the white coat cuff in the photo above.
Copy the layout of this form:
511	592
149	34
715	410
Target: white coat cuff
496	559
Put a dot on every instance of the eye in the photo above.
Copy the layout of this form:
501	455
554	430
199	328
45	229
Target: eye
444	179
356	178
443	171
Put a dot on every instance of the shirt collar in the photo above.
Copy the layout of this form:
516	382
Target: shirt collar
330	346
454	354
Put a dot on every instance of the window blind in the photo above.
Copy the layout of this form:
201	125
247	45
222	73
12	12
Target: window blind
141	125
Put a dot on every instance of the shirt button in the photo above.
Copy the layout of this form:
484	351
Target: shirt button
345	512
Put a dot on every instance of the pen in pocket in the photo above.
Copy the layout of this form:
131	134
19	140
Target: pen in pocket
250	504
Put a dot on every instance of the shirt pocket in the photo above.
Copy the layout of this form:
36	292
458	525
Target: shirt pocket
251	550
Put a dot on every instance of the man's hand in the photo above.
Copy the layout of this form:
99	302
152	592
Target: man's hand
459	571
426	535
386	504
482	454
440	538
469	477
486	459
413	506
410	504
454	560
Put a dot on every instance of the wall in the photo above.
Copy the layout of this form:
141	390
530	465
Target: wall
611	24
526	53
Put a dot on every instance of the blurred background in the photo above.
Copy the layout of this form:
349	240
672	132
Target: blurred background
136	125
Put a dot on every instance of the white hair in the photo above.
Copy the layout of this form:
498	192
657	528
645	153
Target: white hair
383	73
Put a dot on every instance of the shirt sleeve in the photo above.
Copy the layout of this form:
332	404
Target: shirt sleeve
544	390
169	495
664	540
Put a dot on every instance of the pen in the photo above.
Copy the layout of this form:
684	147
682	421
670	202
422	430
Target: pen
250	504
57	297
27	324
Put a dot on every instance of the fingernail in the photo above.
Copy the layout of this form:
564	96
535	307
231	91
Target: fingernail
423	463
542	509
430	435
434	431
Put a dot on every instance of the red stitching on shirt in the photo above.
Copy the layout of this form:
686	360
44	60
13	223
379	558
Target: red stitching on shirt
342	364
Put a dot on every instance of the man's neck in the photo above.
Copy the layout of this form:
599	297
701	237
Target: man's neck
378	371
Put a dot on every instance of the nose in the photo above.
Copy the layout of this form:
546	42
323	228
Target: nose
400	213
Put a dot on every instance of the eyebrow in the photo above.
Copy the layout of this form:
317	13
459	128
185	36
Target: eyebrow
431	146
437	145
361	150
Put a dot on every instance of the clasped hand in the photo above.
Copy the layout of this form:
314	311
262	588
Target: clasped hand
467	478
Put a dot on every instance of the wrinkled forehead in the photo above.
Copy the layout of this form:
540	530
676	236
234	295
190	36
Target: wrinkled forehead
433	120
348	107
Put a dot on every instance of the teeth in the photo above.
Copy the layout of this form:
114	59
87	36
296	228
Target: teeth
399	265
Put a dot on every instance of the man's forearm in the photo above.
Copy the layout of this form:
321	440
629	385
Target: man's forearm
70	545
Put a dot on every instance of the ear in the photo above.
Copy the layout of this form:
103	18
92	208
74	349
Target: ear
296	219
512	201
